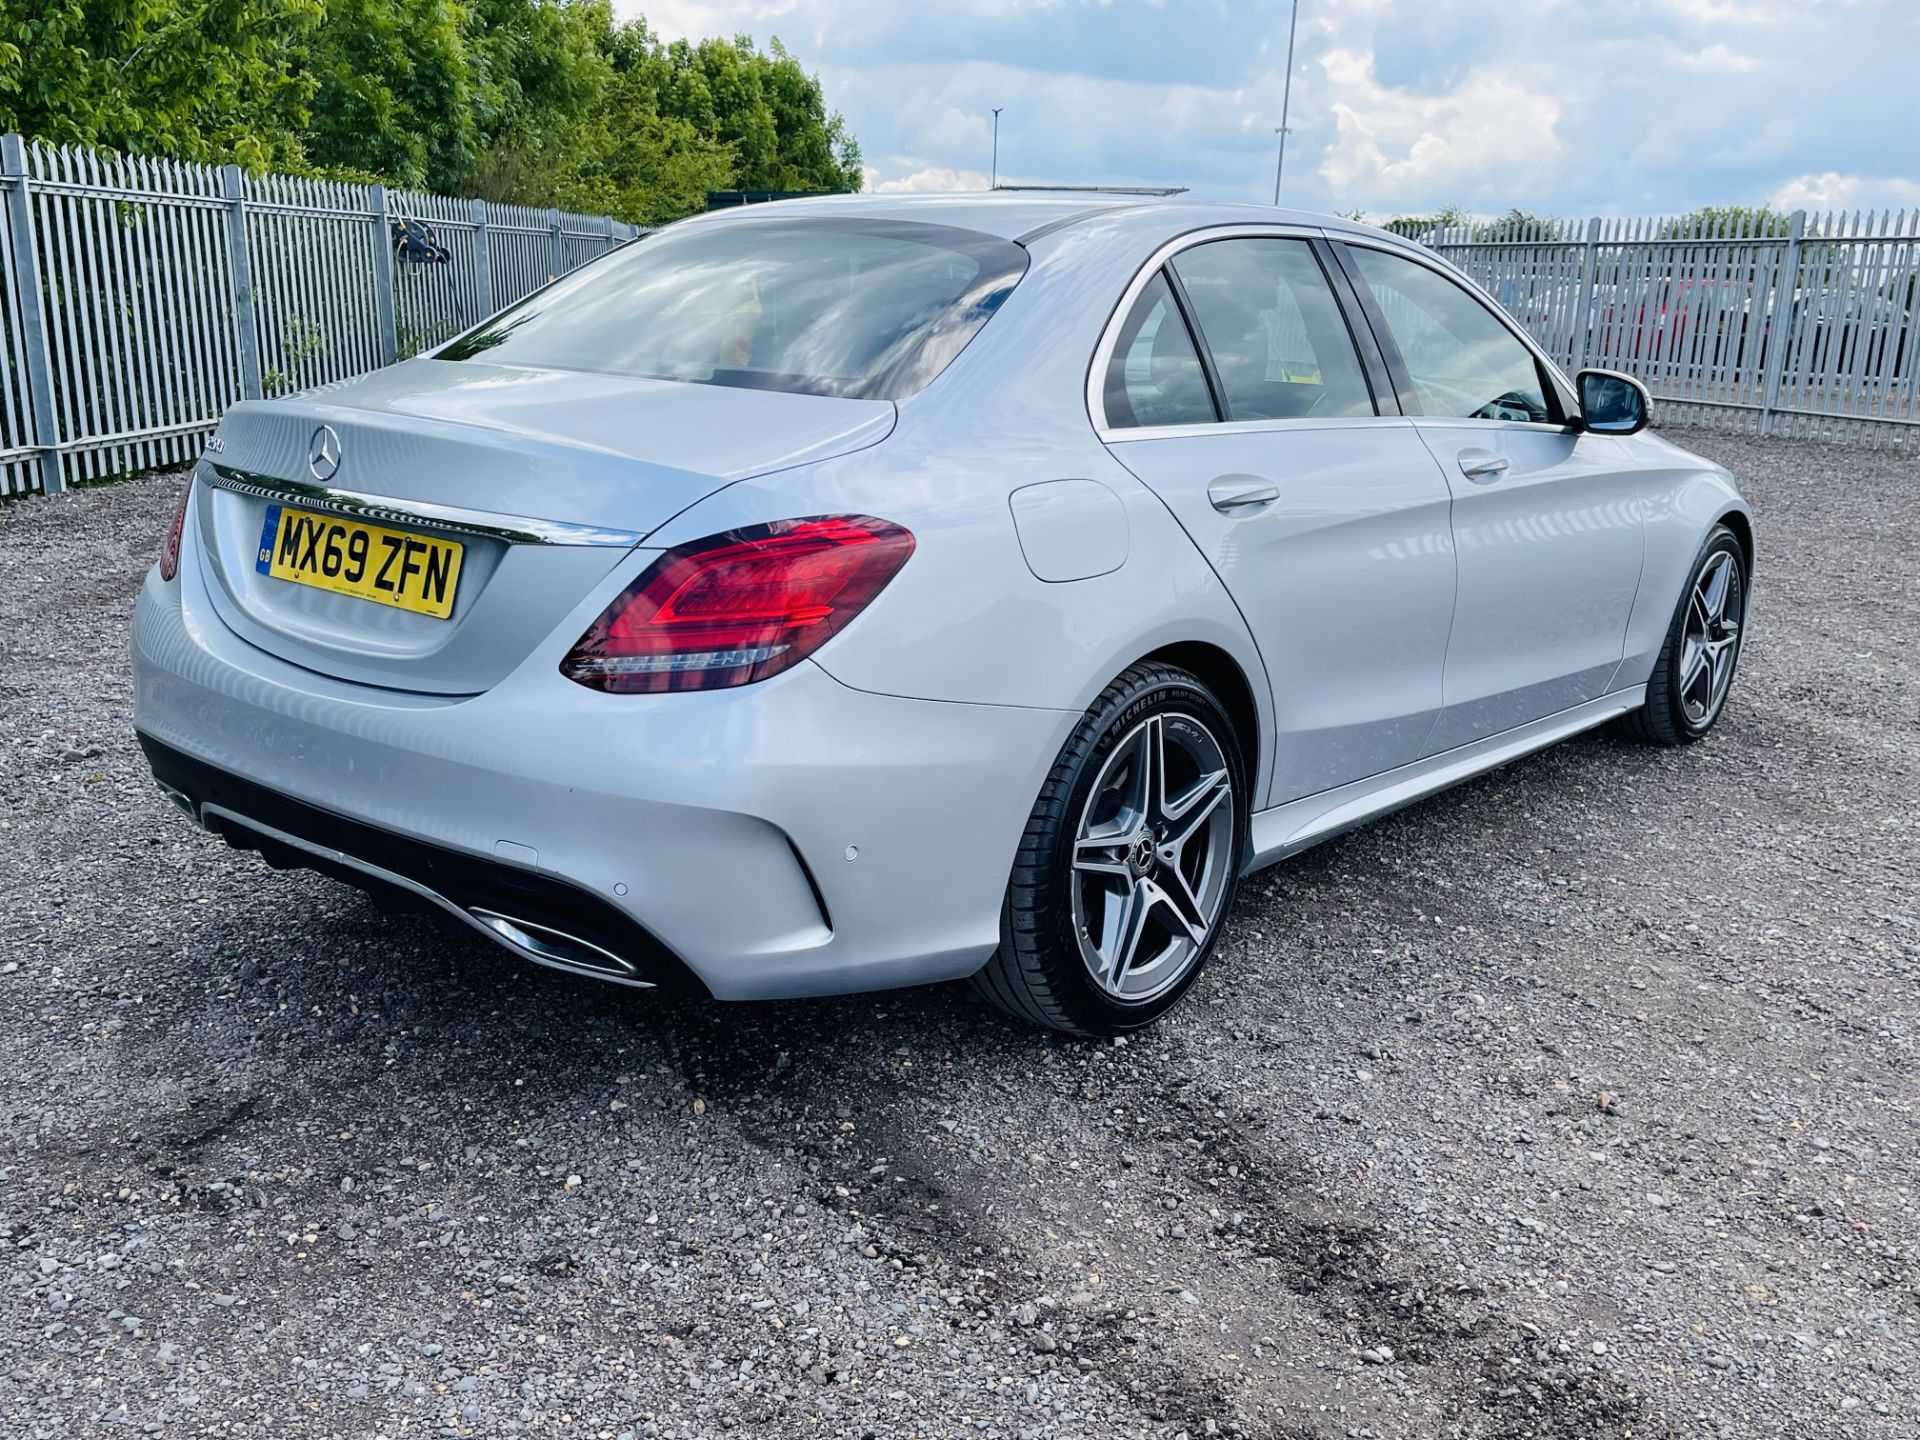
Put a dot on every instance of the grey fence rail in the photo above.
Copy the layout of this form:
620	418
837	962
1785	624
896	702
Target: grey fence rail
1806	325
139	298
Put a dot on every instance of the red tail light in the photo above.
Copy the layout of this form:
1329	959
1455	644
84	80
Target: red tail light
735	608
170	547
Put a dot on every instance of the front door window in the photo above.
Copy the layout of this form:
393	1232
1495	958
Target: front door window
1463	362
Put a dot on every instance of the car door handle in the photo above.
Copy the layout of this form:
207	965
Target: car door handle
1241	494
1483	466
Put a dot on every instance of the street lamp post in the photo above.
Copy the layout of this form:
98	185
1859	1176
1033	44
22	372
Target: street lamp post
1286	97
994	184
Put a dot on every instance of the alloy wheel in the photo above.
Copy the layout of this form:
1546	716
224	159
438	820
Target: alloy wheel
1153	856
1710	641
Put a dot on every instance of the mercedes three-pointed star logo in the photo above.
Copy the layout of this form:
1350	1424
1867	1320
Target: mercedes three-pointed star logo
323	453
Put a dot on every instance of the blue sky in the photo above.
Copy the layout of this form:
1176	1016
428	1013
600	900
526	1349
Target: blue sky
1558	106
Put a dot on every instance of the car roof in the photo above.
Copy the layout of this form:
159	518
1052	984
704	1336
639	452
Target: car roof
1006	214
1026	214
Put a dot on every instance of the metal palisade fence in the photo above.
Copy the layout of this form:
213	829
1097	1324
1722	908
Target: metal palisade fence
1802	325
139	298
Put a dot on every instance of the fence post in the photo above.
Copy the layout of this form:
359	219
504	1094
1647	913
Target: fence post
32	312
482	261
245	338
1583	308
1778	335
553	252
383	275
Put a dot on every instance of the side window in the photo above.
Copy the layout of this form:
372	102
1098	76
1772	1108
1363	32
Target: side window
1280	347
1155	377
1464	363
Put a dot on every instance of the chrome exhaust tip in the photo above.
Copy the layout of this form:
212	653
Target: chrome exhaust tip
182	802
551	946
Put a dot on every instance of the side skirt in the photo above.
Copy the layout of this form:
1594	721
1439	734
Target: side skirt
1295	826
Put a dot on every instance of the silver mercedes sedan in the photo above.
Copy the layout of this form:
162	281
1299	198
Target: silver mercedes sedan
871	591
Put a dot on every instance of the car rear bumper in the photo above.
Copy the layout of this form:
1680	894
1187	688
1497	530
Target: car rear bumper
794	837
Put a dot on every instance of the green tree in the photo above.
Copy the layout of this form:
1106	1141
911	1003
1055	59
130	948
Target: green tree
1711	220
541	102
1518	224
813	150
215	80
540	72
1445	218
677	120
641	156
394	92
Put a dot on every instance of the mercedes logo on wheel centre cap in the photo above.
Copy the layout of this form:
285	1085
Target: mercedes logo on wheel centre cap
323	453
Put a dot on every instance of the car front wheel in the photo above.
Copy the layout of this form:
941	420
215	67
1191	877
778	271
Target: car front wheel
1129	862
1690	682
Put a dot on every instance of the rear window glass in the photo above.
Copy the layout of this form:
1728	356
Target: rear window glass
860	308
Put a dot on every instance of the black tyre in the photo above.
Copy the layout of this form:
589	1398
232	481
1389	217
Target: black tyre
1694	675
1129	863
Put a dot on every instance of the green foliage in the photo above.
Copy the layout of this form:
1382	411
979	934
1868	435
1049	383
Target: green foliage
1516	224
300	340
538	102
540	75
1446	217
1711	220
675	121
394	87
200	80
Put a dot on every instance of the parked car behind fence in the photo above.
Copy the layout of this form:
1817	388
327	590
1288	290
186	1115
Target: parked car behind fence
1798	329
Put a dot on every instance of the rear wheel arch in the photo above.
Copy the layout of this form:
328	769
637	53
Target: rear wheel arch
1064	966
1222	674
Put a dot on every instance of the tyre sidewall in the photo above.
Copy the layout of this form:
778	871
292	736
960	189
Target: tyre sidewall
1721	539
1169	694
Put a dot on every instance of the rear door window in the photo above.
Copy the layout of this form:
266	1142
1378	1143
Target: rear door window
866	309
1280	346
1155	376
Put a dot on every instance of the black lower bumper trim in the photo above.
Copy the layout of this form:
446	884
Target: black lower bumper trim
466	881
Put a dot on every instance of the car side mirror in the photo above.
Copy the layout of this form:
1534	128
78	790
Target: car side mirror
1612	403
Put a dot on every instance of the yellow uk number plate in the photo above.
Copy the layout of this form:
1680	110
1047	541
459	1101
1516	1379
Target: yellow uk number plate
368	562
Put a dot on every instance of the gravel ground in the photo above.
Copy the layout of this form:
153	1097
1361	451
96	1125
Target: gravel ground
1577	1102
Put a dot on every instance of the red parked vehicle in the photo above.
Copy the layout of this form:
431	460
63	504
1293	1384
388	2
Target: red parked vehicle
1701	321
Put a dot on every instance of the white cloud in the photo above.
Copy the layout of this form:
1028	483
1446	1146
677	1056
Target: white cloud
696	20
1731	12
1718	60
1834	191
937	178
1566	107
1065	128
1412	149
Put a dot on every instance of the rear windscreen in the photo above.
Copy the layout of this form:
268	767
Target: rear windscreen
867	309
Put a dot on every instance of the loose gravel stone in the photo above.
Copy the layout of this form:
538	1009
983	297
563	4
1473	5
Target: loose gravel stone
357	1177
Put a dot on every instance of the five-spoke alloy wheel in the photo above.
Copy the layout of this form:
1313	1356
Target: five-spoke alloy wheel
1710	640
1688	688
1129	862
1154	856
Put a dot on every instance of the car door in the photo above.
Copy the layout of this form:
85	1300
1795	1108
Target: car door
1547	521
1234	387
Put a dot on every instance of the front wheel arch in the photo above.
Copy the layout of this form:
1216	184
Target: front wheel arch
1742	528
1663	718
